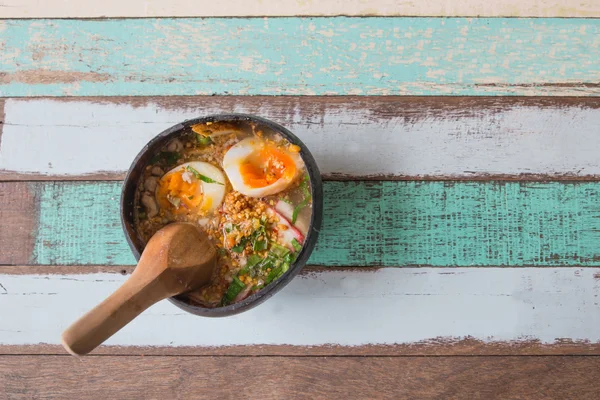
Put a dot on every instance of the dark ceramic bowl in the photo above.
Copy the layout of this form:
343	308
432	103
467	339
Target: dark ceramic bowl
143	159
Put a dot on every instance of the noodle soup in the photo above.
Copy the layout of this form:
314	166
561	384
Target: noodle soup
246	186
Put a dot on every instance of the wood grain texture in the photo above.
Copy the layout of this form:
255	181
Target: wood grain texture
17	243
300	56
365	224
429	348
392	309
435	138
26	377
240	8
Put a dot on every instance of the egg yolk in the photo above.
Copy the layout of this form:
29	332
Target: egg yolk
266	166
186	196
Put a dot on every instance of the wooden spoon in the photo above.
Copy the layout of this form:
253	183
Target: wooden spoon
177	259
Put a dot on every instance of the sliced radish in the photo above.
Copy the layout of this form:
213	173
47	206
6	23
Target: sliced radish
287	210
286	236
243	294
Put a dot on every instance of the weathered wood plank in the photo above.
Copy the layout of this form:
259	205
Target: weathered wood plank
241	8
300	56
435	347
429	308
26	377
18	242
405	137
365	224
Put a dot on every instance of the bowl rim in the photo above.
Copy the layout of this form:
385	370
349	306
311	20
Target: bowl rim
311	237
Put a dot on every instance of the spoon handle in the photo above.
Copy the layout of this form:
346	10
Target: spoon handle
108	317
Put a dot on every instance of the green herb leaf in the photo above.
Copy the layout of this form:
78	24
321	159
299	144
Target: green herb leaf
238	248
198	175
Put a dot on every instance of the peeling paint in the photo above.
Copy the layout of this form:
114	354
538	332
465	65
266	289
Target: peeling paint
530	305
343	55
46	77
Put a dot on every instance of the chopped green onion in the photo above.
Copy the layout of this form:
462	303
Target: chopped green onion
296	244
297	210
259	245
278	250
267	263
304	186
234	289
221	251
272	275
203	178
203	140
277	272
253	260
303	203
290	258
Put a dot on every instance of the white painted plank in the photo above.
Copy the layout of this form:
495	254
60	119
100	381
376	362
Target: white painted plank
387	306
70	138
230	8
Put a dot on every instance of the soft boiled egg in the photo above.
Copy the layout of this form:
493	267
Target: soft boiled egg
194	187
256	168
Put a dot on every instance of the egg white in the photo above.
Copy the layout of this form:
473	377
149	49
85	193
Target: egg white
235	157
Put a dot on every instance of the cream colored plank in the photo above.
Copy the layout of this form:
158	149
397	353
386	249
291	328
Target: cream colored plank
230	8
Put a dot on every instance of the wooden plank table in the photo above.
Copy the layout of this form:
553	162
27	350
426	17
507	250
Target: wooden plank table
458	256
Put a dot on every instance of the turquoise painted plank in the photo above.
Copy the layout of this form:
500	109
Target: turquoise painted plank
308	56
371	223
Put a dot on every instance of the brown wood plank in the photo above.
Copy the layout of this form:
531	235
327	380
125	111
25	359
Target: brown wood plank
18	213
437	347
26	377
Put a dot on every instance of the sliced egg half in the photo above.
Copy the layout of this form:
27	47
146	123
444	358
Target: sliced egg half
194	187
256	168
